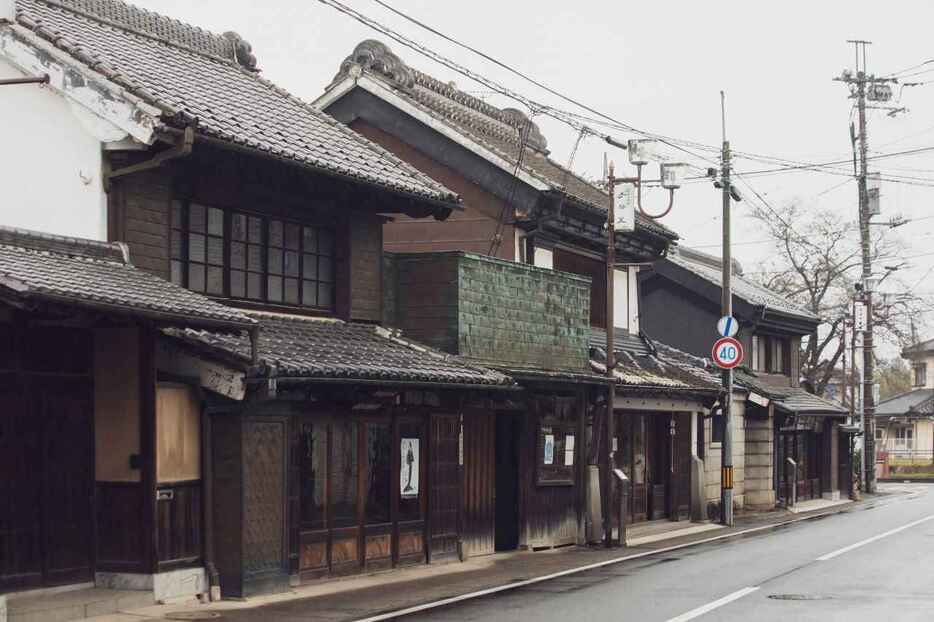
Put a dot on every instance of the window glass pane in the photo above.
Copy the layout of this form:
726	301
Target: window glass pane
196	277
254	286
176	272
325	242
291	236
175	244
313	465
309	293
291	263
310	266
344	474
254	258
274	289
291	291
196	217
255	230
378	470
237	255
196	247
238	227
325	268
275	233
309	239
275	261
177	214
237	284
216	251
325	295
215	221
215	280
410	481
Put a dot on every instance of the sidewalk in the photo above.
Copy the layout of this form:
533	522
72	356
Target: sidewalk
386	595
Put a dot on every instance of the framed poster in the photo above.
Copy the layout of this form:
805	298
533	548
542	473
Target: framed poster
408	468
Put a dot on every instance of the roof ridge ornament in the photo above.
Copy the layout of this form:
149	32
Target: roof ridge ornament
242	50
376	56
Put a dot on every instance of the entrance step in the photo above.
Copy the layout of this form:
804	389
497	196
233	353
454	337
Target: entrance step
43	606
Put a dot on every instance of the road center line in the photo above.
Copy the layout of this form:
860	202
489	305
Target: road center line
694	613
885	534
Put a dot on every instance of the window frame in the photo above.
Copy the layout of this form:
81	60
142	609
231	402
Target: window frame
324	253
920	371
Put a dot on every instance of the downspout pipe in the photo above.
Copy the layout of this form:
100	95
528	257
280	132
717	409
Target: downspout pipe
181	149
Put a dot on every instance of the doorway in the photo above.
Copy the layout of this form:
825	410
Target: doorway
45	509
507	482
658	440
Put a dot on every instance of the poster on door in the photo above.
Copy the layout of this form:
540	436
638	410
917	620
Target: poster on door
408	471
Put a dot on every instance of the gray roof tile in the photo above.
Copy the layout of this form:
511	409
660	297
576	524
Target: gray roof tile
86	273
189	72
915	402
305	347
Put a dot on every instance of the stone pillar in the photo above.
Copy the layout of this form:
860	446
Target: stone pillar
832	461
2	608
759	463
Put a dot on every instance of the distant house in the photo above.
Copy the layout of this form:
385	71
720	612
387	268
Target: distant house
905	422
779	420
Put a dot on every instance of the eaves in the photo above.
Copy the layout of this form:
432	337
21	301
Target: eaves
380	90
81	86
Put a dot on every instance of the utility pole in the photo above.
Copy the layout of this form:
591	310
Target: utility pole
610	359
862	87
726	470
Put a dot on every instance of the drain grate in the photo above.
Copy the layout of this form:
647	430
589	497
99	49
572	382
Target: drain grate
799	597
192	615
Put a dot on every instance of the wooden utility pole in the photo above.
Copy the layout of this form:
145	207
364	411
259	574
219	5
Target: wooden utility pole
726	471
610	357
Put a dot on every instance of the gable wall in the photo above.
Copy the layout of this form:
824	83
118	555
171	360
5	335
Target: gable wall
51	173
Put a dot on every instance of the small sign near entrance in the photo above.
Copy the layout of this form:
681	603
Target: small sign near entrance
727	326
727	352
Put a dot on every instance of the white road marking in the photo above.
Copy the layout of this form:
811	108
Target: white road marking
695	613
885	534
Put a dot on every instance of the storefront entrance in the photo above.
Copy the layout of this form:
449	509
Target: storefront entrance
800	440
654	450
46	458
507	483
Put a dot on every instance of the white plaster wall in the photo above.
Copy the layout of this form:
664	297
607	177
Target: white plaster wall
50	165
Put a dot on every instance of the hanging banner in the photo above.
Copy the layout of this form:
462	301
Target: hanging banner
549	457
408	471
625	209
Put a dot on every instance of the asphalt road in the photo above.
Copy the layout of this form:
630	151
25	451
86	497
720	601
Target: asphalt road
873	562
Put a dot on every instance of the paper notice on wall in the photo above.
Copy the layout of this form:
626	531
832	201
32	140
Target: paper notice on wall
549	449
569	450
408	472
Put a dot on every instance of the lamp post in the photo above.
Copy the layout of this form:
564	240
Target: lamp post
671	174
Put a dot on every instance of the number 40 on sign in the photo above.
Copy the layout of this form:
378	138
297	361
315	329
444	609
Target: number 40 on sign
727	353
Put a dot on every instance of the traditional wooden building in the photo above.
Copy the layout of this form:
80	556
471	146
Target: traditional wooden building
777	420
100	452
524	207
320	443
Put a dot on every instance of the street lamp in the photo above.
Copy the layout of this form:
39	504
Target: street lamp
671	175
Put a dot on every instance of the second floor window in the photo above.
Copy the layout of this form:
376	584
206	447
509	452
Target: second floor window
771	355
921	376
249	257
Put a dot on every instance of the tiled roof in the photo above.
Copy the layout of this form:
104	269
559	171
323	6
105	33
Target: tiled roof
191	74
918	348
918	401
708	268
498	130
304	347
789	399
641	364
86	273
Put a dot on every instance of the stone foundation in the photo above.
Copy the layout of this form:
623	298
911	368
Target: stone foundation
165	586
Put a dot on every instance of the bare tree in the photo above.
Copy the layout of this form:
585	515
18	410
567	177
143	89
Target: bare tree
817	264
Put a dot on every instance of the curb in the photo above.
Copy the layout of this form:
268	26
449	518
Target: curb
396	613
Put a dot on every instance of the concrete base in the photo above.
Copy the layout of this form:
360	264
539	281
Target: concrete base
65	606
831	496
164	586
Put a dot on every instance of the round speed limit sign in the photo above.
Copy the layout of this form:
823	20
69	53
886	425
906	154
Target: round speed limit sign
727	353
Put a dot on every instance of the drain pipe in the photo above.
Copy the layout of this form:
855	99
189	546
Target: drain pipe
181	149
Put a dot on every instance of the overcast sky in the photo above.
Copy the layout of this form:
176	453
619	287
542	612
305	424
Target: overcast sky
657	66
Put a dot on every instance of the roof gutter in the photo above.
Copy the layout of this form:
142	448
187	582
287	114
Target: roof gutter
181	149
414	384
230	145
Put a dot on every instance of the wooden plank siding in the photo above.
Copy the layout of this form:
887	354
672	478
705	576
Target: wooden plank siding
479	483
